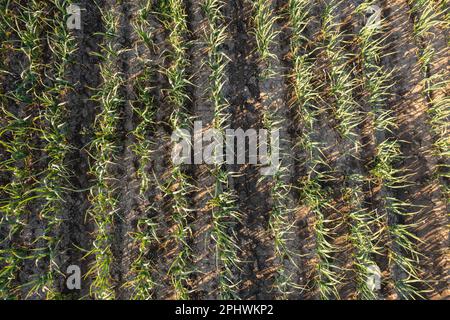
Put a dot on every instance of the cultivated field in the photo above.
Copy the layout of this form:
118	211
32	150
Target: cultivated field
357	89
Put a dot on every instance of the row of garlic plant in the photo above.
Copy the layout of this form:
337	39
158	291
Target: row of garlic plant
104	150
18	140
264	30
346	110
384	169
179	187
364	224
361	222
54	181
142	282
430	17
9	262
223	202
5	263
306	105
